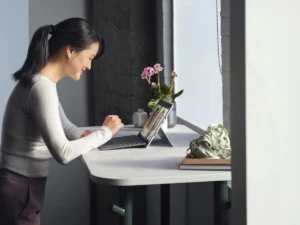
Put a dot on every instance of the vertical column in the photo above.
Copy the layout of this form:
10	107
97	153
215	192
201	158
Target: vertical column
225	37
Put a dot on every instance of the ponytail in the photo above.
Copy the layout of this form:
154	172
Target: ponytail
37	55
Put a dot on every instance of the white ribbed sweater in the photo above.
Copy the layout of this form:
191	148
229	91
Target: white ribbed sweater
35	128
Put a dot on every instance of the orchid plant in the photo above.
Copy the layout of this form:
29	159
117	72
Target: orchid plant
164	92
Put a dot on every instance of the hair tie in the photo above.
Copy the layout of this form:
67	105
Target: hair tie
53	29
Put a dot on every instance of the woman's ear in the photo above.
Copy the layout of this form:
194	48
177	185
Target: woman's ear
70	51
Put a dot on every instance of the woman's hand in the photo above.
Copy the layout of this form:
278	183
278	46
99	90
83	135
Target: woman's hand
85	133
114	123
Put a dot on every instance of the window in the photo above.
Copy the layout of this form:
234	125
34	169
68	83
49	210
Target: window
196	62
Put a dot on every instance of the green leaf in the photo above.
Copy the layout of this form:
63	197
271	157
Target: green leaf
177	95
161	95
169	90
152	103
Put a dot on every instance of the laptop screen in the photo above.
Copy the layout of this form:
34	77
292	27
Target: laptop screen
159	113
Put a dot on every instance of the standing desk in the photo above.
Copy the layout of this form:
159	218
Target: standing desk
156	165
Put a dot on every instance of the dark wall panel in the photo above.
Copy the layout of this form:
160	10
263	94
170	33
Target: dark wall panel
129	29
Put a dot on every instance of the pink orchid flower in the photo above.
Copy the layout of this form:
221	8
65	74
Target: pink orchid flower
150	71
157	68
147	72
144	74
174	74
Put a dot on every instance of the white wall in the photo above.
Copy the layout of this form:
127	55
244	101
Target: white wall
196	61
67	190
13	45
272	112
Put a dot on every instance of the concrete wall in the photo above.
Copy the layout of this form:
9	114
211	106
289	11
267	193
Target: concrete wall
130	33
67	192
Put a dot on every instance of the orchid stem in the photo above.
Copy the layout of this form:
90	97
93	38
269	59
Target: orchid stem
158	80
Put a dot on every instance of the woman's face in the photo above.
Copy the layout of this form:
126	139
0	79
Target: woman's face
78	62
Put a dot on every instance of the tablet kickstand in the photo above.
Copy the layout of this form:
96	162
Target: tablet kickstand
164	137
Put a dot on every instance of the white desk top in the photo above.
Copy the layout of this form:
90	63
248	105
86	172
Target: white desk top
156	164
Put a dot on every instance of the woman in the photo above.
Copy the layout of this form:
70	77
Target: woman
35	127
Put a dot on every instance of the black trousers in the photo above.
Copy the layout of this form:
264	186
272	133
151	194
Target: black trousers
21	198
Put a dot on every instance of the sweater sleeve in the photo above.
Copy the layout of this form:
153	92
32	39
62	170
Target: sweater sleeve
72	132
43	106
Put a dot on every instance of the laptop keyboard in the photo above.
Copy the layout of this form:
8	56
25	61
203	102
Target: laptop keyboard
126	141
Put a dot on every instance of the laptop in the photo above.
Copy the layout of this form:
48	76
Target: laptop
147	133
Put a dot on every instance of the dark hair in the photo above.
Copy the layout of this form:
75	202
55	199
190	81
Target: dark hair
75	32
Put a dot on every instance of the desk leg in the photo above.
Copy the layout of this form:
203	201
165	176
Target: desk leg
220	201
126	195
165	204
